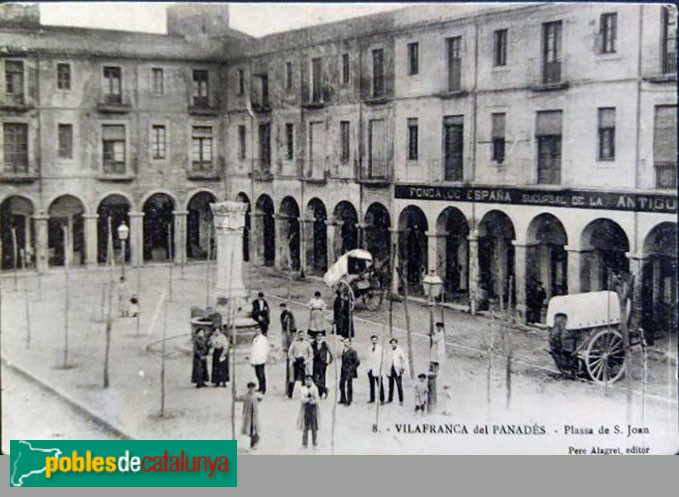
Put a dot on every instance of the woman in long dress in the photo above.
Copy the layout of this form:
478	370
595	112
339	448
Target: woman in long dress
316	307
220	358
199	372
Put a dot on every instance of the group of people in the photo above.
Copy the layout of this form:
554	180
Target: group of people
308	356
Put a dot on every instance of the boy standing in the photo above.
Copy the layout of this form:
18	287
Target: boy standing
250	402
421	393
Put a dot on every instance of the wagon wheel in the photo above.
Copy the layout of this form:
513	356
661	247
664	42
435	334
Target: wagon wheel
605	356
372	298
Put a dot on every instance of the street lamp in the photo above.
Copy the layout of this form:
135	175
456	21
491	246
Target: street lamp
123	233
433	285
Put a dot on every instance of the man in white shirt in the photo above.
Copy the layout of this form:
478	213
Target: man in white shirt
258	356
375	369
397	364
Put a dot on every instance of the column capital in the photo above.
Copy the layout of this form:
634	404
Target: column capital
90	216
572	248
363	225
281	217
434	234
41	217
180	213
473	238
395	231
135	214
523	244
635	256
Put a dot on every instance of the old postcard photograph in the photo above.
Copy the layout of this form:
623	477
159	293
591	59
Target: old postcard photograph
373	229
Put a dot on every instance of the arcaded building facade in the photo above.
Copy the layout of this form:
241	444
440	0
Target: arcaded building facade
499	147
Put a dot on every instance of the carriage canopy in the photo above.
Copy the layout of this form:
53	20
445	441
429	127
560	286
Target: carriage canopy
585	310
345	265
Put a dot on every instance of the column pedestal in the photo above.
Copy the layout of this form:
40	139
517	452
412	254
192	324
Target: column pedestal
91	229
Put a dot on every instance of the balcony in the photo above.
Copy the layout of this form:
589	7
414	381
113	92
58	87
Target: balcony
200	106
313	171
669	70
203	171
15	103
263	107
261	170
113	104
552	78
17	174
665	175
374	173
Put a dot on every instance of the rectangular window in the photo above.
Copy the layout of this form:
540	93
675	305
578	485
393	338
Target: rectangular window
606	134
378	72
413	132
413	59
113	142
64	76
345	141
241	142
551	52
345	69
316	81
290	140
500	48
201	148
454	46
157	81
498	137
65	139
158	142
669	40
548	132
453	148
265	147
608	32
665	146
288	75
200	88
14	77
241	82
113	85
15	147
377	149
264	90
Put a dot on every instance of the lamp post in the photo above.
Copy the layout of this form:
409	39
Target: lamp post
432	286
123	233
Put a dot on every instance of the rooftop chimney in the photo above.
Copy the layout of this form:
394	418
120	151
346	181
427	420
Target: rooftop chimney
198	20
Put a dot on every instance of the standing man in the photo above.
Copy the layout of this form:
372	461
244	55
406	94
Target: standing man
322	357
397	364
199	373
375	369
288	332
308	419
258	356
316	307
539	296
342	315
300	359
261	312
348	372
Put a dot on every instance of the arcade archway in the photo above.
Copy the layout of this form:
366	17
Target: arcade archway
116	208
453	250
378	237
547	259
604	245
66	219
317	237
412	224
200	233
659	280
18	232
159	243
290	233
266	231
347	238
496	258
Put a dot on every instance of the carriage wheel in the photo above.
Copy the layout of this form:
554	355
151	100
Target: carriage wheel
605	356
372	298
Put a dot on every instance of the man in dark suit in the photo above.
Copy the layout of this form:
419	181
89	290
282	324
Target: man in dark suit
261	313
348	372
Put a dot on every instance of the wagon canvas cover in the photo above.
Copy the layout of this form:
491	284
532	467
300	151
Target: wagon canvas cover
585	310
341	268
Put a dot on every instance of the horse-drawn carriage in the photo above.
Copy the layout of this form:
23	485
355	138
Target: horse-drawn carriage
585	337
354	275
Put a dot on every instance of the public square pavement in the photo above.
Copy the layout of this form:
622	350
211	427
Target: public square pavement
131	404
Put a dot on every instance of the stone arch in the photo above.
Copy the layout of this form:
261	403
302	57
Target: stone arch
288	216
496	258
247	232
200	233
452	229
316	237
346	237
115	207
413	227
546	260
604	245
265	230
159	227
66	216
16	224
659	280
378	237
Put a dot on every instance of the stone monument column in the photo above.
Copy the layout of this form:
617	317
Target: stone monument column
229	221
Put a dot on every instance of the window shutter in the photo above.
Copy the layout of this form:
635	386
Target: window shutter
665	134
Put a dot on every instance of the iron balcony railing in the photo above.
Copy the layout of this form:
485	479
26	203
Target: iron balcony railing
665	175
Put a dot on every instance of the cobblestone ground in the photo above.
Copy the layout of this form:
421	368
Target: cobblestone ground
132	402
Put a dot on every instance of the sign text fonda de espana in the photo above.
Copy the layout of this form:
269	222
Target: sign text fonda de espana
578	199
